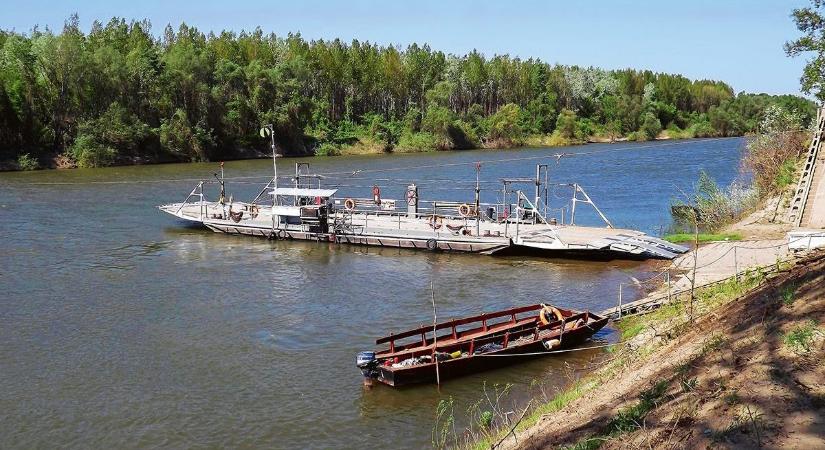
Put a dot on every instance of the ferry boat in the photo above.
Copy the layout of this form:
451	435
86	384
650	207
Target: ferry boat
517	225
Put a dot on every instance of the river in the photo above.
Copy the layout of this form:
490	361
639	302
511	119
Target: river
122	327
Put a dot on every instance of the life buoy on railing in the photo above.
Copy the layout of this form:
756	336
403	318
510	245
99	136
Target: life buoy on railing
412	197
253	211
435	222
349	204
464	210
376	195
547	310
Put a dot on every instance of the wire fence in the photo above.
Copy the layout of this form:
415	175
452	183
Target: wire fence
665	275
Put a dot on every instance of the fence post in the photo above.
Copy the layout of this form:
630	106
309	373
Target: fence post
735	265
620	300
668	286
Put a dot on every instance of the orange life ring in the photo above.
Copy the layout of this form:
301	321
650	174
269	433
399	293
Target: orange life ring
549	309
349	204
464	210
435	222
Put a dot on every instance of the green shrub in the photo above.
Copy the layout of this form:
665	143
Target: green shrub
786	174
328	149
566	124
417	142
26	162
651	127
89	152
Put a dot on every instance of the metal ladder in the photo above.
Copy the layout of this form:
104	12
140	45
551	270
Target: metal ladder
804	185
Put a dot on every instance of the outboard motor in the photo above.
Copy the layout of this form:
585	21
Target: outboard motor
367	363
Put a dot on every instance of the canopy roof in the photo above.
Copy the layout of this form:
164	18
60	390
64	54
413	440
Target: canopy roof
305	192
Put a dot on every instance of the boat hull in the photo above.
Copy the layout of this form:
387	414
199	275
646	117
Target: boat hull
513	354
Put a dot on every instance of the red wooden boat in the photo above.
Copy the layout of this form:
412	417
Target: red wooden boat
474	344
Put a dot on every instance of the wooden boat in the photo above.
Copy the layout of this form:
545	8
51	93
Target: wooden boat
473	344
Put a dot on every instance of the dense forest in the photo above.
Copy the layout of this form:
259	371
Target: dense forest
120	94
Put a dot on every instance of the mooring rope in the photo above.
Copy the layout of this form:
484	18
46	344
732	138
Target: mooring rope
557	351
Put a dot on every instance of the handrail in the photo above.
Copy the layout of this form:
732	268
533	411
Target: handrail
459	322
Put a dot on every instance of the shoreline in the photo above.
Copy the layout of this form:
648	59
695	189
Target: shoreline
57	162
658	373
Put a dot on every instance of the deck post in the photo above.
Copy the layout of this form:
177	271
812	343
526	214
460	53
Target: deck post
412	201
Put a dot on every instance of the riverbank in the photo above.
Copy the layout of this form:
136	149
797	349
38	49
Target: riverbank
740	371
358	147
734	367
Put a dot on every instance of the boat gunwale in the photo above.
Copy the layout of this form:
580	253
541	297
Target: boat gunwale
480	337
509	350
461	321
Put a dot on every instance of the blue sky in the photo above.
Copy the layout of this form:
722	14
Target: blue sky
736	41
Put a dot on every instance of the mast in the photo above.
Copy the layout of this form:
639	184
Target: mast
478	198
269	130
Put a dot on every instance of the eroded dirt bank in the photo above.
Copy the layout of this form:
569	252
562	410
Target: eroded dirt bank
744	373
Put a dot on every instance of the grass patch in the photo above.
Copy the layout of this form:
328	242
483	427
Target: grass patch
631	330
801	337
788	293
680	238
786	175
628	419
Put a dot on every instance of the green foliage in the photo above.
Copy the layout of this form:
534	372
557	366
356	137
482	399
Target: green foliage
182	139
801	337
26	162
566	124
811	22
712	207
328	149
89	152
504	124
680	238
190	95
651	126
788	295
771	155
417	142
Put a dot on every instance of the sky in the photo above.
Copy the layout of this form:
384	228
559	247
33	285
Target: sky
736	41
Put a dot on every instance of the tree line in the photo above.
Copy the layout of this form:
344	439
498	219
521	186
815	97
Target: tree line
120	94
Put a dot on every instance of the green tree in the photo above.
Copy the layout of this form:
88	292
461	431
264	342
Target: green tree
566	124
811	22
651	126
504	124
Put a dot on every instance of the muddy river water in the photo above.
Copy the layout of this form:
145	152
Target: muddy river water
122	327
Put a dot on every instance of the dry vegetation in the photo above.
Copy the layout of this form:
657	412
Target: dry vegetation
743	374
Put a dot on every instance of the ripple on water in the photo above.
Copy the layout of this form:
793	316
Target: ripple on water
121	325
